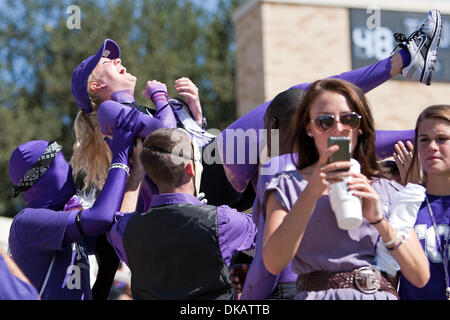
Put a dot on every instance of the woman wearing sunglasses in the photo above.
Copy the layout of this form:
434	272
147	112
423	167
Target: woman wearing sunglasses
300	225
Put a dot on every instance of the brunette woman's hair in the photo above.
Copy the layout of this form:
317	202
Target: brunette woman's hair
436	112
302	143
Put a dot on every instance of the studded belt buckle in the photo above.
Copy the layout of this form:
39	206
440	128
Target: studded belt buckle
367	279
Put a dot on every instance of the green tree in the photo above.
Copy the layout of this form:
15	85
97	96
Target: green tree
159	39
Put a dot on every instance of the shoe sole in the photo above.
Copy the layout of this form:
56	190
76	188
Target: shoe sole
434	46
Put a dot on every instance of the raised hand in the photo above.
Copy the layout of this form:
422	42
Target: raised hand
325	174
187	89
403	156
154	89
360	187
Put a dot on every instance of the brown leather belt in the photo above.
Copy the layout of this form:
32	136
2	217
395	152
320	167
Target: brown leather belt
365	279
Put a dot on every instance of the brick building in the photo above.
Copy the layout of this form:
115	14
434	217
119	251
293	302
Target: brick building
280	43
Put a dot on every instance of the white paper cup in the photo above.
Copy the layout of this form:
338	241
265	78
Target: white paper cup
346	207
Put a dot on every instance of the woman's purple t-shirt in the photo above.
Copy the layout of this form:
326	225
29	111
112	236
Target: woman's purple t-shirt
326	247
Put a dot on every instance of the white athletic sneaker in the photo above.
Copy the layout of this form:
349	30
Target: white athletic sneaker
422	45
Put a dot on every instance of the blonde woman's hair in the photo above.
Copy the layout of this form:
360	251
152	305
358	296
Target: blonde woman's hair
91	155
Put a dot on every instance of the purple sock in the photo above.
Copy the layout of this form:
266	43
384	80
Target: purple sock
406	57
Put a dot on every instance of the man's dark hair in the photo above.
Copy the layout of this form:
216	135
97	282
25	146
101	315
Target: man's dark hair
283	107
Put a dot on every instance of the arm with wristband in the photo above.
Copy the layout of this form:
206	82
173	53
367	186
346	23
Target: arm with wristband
157	92
398	248
99	217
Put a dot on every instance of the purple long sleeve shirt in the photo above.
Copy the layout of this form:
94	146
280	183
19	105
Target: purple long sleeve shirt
236	230
326	247
110	109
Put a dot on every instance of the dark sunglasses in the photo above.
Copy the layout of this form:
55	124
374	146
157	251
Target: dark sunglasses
325	122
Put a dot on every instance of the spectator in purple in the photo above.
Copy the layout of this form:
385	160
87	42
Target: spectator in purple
301	227
259	283
180	248
48	240
427	166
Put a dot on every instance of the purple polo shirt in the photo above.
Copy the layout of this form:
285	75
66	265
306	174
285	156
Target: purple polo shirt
236	230
12	288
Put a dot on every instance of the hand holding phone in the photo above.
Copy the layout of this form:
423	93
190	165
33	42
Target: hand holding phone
346	206
343	154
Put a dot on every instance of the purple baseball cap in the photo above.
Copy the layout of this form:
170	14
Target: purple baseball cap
52	188
23	158
80	75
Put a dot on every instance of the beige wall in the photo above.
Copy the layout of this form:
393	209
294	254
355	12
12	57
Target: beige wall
397	104
295	52
283	44
249	61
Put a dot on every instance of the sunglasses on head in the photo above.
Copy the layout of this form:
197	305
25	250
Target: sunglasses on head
325	122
